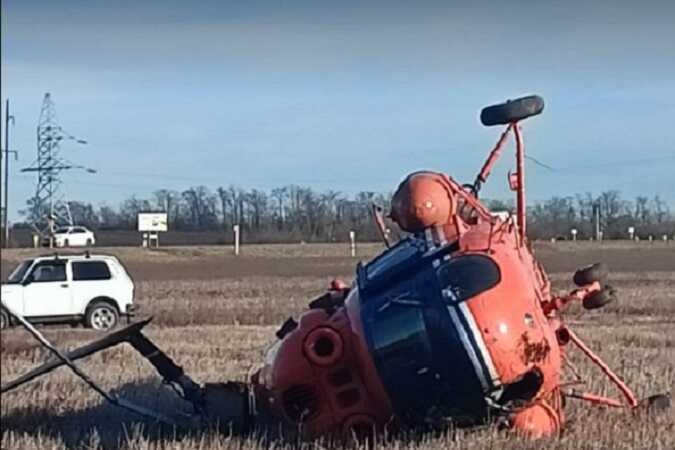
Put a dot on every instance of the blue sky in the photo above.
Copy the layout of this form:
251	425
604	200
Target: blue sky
337	95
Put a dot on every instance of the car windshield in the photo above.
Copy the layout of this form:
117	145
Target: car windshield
61	231
17	274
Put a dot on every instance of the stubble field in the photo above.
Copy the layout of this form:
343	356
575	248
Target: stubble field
215	315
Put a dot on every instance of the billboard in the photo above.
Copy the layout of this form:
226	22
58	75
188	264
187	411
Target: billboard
152	222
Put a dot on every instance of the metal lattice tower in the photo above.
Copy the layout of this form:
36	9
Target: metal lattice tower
49	200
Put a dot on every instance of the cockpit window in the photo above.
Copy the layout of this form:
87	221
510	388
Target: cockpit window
466	276
393	257
400	333
403	353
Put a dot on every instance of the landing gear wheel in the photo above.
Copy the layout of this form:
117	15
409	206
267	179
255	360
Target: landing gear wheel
590	274
600	298
102	316
512	111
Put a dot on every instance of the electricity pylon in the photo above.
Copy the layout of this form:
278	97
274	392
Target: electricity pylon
48	208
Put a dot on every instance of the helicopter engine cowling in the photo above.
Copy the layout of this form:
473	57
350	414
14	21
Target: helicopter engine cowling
423	200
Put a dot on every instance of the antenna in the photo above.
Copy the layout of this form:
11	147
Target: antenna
48	208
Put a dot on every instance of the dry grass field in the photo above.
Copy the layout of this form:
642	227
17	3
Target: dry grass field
215	314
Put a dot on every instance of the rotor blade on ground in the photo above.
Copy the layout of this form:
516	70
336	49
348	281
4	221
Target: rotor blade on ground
76	370
105	342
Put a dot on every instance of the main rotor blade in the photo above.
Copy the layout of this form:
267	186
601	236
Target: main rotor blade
113	399
107	341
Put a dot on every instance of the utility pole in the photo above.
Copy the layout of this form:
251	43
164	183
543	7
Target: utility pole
596	219
8	118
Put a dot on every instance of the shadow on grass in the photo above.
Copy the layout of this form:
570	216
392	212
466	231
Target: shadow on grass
104	424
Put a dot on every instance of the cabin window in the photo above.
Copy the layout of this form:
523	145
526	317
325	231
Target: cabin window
392	258
466	276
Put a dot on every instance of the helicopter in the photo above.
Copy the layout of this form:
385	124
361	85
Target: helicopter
454	324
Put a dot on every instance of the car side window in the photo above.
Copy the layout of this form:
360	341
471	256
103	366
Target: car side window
49	271
90	270
77	230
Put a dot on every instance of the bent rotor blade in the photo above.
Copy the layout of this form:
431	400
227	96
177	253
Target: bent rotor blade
105	342
113	399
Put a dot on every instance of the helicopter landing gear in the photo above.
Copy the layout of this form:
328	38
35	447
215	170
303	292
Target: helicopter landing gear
600	298
590	274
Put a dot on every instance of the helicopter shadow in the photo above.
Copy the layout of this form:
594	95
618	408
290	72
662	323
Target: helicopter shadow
110	427
105	425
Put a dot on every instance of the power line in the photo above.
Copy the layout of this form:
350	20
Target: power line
539	163
630	162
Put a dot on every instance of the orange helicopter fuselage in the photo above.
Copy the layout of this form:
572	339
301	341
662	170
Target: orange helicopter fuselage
446	325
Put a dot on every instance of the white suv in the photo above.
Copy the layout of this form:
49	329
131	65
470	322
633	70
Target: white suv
94	289
73	237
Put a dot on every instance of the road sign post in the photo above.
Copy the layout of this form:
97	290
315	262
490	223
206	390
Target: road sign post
236	239
150	224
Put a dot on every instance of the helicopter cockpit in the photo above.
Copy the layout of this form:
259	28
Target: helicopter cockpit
424	349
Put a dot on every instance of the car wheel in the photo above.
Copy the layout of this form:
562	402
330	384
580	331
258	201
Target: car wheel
89	243
102	316
4	320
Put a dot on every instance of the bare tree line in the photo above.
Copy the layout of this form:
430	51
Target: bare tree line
558	215
296	213
286	213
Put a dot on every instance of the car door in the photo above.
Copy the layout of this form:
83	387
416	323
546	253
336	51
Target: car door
78	237
73	237
48	291
91	279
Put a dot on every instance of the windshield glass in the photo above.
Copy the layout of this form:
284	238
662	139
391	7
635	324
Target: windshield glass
392	257
400	339
403	354
17	274
61	231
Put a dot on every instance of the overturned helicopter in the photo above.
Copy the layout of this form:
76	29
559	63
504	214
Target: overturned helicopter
454	324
